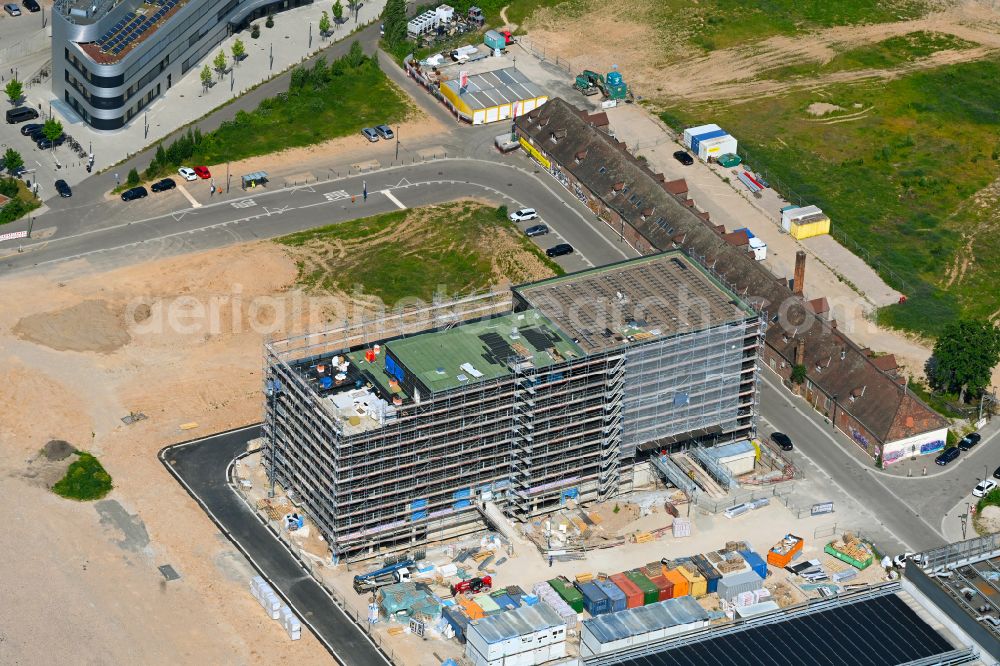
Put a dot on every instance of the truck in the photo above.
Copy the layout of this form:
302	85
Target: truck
612	87
394	573
473	585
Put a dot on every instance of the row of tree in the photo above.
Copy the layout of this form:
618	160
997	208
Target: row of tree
179	150
964	357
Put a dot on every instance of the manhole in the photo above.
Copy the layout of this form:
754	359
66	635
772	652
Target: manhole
168	572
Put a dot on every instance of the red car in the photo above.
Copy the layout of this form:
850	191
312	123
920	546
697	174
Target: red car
203	172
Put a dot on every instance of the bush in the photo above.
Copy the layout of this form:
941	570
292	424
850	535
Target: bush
133	178
255	32
270	21
950	440
85	479
798	374
501	212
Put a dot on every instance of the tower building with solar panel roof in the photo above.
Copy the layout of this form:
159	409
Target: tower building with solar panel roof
412	427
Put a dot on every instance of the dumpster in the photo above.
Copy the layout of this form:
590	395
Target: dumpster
784	551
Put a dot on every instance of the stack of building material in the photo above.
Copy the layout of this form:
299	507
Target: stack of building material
549	596
681	528
616	598
527	635
291	623
266	597
639	626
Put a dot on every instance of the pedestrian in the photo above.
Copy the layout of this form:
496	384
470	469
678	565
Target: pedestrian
550	561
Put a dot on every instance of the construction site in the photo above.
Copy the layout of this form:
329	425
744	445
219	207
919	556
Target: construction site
419	426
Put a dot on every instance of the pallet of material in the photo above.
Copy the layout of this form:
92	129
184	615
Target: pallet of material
482	555
584	577
396	630
642	537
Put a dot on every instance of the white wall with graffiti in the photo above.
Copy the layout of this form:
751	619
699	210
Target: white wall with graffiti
918	445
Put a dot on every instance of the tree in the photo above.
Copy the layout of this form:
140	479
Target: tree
338	12
206	77
324	24
798	374
394	18
133	178
220	63
52	130
12	161
14	91
964	357
239	50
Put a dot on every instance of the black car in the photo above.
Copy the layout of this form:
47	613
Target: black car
45	144
559	250
996	473
30	128
163	185
31	6
947	455
684	157
63	188
536	230
969	441
782	440
35	133
21	114
134	193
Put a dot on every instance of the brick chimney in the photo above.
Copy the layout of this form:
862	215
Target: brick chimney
800	352
799	280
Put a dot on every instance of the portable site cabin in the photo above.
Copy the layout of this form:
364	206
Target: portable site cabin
804	222
716	147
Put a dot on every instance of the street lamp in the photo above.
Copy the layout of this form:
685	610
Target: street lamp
833	421
397	144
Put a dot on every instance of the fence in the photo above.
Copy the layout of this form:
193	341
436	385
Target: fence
715	506
545	55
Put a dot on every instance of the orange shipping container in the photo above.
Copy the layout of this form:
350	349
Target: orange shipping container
681	586
472	609
665	587
782	552
697	585
633	595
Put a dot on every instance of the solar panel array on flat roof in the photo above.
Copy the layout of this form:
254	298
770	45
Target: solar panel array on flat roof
502	86
877	632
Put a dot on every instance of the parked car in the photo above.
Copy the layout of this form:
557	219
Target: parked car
44	143
187	173
31	5
969	441
523	215
370	134
537	230
384	131
996	473
134	193
559	250
203	172
684	157
30	128
63	188
984	487
163	185
21	114
947	455
12	9
35	133
782	440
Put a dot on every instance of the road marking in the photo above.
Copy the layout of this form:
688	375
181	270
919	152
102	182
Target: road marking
245	203
337	196
194	202
181	214
391	197
403	183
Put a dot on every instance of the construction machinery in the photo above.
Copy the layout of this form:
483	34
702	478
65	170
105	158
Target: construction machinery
473	585
394	573
612	87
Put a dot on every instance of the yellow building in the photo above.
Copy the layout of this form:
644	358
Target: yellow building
492	96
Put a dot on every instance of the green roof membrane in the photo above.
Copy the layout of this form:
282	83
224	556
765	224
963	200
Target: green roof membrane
479	350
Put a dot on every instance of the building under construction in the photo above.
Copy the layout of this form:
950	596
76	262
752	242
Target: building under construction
396	431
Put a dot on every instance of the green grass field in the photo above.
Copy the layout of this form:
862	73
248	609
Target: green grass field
459	247
900	179
85	479
886	54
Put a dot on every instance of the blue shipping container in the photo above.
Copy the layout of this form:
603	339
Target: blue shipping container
756	562
458	620
614	593
595	601
696	140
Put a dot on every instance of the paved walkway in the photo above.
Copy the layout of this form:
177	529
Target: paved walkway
186	101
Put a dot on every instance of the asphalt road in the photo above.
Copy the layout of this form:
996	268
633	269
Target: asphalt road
264	214
201	467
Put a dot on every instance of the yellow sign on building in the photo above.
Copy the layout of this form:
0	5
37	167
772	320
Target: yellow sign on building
531	150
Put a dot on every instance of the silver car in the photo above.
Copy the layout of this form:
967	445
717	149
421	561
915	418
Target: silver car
370	134
12	9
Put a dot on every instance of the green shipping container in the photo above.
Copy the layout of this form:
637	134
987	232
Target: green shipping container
568	592
650	593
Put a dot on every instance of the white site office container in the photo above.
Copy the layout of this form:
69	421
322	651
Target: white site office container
557	650
444	13
692	132
716	147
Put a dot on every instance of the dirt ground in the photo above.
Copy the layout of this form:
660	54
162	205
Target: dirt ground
660	64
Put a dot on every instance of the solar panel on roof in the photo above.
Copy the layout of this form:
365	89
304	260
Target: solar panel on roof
500	350
536	338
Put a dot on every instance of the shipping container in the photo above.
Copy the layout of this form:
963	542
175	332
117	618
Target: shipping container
650	593
698	139
594	600
756	562
691	132
568	592
731	586
665	586
633	595
716	147
615	596
710	573
458	620
680	582
697	585
784	551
